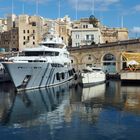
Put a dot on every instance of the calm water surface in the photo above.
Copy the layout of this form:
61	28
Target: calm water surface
103	112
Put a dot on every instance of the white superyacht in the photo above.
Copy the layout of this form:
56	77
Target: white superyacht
48	64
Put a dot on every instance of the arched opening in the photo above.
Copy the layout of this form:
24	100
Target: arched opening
109	63
74	61
88	60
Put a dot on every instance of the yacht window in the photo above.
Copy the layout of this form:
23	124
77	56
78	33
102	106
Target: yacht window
41	53
56	65
52	45
66	55
47	53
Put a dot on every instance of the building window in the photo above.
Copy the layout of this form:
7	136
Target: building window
27	31
28	38
77	36
33	31
87	37
33	43
24	37
77	44
92	37
33	23
24	43
71	61
85	26
24	31
33	37
89	57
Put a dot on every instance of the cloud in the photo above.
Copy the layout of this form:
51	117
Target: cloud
84	5
6	9
33	1
135	30
137	8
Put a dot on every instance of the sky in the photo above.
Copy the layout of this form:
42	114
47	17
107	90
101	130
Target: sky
111	13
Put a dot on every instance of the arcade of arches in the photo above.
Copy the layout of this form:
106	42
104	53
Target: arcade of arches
107	62
108	58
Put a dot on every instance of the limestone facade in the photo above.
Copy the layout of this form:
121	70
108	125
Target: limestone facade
32	29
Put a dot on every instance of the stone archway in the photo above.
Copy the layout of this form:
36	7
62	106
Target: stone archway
88	60
74	61
109	63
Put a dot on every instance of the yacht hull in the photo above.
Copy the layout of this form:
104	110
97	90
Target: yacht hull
93	78
37	75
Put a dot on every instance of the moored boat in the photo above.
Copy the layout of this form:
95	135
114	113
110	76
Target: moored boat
46	65
92	76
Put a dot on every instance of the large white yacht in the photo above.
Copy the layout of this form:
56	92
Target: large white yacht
48	64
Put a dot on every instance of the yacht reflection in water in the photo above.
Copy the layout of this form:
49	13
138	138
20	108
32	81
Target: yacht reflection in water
36	107
57	106
91	103
94	92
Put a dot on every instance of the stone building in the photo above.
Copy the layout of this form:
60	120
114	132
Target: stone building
22	31
89	31
12	21
63	28
85	33
19	32
114	34
31	30
3	25
9	40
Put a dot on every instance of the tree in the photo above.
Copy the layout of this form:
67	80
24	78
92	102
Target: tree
93	21
69	41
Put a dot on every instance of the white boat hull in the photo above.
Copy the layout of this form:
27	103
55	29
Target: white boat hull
93	78
37	75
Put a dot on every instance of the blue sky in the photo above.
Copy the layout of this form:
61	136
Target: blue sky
110	12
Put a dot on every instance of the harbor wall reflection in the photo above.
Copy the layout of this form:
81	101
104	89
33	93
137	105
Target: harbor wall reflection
56	105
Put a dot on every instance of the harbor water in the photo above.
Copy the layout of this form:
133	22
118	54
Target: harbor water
104	112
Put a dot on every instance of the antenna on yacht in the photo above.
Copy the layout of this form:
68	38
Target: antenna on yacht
76	8
23	8
12	7
37	2
59	6
93	7
122	21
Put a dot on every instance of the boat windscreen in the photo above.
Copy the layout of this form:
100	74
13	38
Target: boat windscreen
41	53
53	45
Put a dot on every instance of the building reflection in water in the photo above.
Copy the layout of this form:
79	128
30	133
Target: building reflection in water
56	105
89	104
131	97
